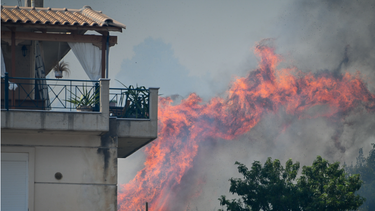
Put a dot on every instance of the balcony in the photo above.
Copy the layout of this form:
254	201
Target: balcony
47	105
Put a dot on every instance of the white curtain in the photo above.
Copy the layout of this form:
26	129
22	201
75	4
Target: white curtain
90	58
3	70
12	86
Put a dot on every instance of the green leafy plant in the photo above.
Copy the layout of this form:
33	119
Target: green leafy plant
60	68
88	98
135	102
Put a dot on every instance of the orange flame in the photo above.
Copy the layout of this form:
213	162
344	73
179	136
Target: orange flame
182	127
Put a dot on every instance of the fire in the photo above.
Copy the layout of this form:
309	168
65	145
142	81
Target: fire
182	127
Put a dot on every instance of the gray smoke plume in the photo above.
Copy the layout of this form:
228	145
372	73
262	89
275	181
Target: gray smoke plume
330	35
317	36
326	36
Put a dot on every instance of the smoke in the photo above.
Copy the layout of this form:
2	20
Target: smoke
302	141
324	37
334	36
330	35
315	36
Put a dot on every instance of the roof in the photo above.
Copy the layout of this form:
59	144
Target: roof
40	16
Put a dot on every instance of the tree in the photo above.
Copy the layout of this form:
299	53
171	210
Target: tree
322	186
325	186
365	166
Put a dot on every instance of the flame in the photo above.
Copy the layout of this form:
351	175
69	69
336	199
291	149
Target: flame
182	127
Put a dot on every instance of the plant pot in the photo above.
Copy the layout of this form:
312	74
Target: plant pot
84	108
58	74
112	103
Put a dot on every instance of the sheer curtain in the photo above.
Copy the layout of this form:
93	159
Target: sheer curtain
12	86
90	58
3	70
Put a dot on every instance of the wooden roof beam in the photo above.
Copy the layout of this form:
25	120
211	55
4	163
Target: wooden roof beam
61	27
95	39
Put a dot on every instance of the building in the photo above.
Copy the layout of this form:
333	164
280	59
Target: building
54	157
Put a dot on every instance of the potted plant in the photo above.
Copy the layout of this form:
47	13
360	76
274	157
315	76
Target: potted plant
112	103
136	102
86	101
61	67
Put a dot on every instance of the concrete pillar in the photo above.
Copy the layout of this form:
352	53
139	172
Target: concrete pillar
104	96
154	103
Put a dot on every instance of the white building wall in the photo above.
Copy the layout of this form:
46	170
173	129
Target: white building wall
82	146
86	161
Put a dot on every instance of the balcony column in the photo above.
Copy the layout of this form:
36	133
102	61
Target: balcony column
12	97
13	52
153	103
104	46
104	96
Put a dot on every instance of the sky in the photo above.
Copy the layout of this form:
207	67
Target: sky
201	46
181	46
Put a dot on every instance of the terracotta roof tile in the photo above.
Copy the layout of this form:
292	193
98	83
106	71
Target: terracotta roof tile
21	16
85	19
12	17
53	16
40	17
5	17
59	18
70	20
100	18
49	17
30	16
79	18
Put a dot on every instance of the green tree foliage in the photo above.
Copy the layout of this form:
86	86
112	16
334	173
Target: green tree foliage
322	186
365	166
259	185
325	186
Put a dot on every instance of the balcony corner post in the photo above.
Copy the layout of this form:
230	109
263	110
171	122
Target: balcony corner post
153	103
104	96
97	90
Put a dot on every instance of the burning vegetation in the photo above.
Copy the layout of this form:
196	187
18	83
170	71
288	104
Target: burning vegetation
267	89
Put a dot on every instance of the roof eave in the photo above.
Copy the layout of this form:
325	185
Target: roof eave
62	27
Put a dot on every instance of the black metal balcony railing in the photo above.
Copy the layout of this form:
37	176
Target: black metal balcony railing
129	103
45	94
55	94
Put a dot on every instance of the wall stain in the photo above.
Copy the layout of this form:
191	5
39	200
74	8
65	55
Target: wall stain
70	121
108	141
43	119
